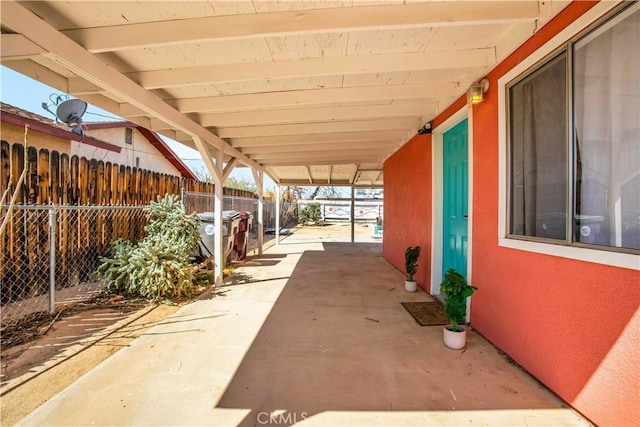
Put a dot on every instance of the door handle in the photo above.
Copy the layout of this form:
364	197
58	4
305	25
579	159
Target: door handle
466	216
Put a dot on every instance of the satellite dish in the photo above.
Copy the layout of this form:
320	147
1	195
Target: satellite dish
71	112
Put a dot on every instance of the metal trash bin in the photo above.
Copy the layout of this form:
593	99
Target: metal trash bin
230	222
242	237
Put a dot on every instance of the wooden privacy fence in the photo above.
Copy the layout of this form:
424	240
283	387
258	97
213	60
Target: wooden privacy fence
59	179
68	212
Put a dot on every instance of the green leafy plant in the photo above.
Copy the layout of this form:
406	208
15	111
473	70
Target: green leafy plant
159	266
456	290
411	256
310	213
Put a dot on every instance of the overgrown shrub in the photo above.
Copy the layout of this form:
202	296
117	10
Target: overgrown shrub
159	266
114	271
310	213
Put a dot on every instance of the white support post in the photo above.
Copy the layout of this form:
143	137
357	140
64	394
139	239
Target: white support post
277	214
218	253
258	177
217	173
353	215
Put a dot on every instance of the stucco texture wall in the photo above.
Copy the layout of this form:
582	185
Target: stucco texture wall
407	206
12	134
574	325
149	157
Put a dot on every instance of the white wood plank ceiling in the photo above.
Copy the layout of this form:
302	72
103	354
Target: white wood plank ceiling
310	92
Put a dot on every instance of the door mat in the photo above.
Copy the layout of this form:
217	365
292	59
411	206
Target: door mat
426	313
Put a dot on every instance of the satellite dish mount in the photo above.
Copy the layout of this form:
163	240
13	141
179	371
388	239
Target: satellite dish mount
69	111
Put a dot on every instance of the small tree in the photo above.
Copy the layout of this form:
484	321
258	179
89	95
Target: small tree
159	266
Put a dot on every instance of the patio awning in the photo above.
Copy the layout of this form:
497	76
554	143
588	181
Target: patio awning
309	92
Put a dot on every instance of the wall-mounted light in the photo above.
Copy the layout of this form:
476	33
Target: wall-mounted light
476	92
426	129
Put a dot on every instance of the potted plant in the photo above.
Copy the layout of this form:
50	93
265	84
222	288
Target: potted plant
455	289
411	265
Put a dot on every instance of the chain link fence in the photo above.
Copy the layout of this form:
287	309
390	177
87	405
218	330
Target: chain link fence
204	202
48	255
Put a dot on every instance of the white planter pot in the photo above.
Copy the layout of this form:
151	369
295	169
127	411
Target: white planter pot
410	285
455	340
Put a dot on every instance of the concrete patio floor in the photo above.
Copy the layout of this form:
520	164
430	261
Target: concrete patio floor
312	333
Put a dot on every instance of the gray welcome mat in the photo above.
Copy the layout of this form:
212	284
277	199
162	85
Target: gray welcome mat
426	313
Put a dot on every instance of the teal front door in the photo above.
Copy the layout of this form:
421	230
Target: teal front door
455	199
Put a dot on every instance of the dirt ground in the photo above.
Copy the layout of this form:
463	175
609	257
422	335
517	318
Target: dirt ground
77	341
49	370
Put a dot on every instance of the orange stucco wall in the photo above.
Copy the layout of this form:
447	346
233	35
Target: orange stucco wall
407	206
573	325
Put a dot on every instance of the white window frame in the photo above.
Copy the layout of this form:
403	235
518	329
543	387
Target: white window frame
600	256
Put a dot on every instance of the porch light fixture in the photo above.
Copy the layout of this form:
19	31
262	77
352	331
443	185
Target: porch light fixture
476	92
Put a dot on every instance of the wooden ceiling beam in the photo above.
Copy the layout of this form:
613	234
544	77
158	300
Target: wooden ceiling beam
79	86
322	161
40	73
128	110
251	151
314	67
318	114
301	98
353	174
298	22
308	169
314	128
318	138
342	154
157	125
319	182
17	46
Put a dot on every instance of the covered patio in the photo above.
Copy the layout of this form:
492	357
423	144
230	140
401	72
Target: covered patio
360	94
310	332
282	87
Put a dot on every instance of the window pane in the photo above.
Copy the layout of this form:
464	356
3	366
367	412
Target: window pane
538	133
607	140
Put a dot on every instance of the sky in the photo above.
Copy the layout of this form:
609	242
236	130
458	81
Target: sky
28	94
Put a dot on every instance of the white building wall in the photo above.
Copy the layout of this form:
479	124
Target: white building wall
140	153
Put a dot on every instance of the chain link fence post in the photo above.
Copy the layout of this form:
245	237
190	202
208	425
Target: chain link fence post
52	260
